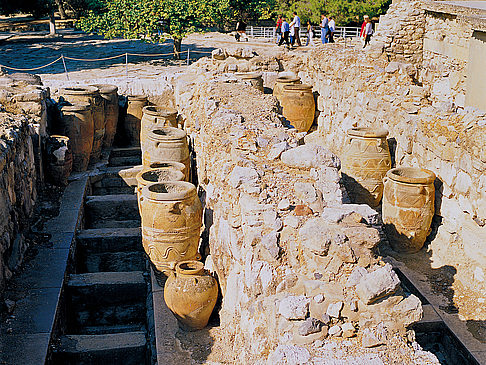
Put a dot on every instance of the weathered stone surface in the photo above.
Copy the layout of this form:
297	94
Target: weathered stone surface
334	309
377	284
289	354
309	326
335	330
294	307
308	156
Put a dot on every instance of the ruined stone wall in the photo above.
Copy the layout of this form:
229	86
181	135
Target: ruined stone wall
296	264
357	91
23	117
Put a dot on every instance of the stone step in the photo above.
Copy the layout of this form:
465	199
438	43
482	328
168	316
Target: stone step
125	161
101	330
109	240
127	151
111	262
118	207
118	348
430	321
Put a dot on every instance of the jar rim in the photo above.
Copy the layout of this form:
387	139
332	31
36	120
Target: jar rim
189	267
166	133
287	79
411	175
169	191
368	132
159	111
149	176
78	90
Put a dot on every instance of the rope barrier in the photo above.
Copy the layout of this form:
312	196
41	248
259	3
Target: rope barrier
31	69
93	59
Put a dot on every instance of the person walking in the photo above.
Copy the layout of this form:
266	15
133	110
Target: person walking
362	34
241	30
278	28
368	31
324	28
285	32
296	24
310	34
292	35
332	28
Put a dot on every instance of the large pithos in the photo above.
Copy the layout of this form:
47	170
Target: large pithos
298	106
365	161
253	78
136	103
171	223
109	93
91	95
283	81
191	294
408	207
155	117
59	159
166	144
77	125
156	175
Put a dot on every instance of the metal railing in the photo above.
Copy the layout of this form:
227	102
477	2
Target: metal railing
269	32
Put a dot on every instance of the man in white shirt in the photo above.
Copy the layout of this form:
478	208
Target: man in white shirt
296	24
332	27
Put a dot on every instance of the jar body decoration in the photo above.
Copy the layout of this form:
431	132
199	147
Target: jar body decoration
408	207
59	159
298	106
154	117
91	95
77	125
366	160
171	223
109	93
156	175
253	78
191	294
133	119
166	144
281	82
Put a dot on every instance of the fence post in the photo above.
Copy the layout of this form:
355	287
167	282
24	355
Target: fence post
65	68
126	64
188	57
251	30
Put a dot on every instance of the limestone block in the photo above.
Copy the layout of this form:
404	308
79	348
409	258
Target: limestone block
294	307
377	284
308	156
289	354
334	309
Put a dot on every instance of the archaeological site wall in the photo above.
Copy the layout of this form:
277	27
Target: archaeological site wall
22	123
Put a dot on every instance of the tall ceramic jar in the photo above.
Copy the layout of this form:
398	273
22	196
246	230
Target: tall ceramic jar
366	159
157	175
136	103
171	223
77	125
298	106
281	82
91	95
155	117
408	207
191	294
110	95
59	159
252	78
166	144
179	166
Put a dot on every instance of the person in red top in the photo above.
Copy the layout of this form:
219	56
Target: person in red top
278	28
362	33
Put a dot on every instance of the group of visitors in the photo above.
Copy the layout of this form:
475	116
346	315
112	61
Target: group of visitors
288	33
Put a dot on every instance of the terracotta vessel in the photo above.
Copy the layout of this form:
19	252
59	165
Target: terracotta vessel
157	175
133	118
366	159
408	207
281	82
171	223
166	144
59	159
252	78
91	95
77	125
179	166
298	106
109	93
155	117
191	294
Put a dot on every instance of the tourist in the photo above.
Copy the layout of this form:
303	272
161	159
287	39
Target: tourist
285	32
332	28
362	33
292	35
310	34
240	30
296	25
324	28
278	28
368	31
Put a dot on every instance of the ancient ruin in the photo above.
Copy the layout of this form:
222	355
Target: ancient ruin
324	205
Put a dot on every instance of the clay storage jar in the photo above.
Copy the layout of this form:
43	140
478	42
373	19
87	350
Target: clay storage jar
179	166
91	95
408	207
77	124
59	159
171	223
253	78
155	117
109	93
281	82
152	176
136	103
366	159
298	106
191	294
166	144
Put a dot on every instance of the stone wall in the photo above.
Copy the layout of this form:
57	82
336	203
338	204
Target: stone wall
297	266
23	116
